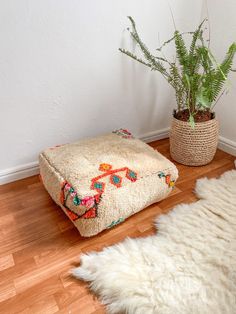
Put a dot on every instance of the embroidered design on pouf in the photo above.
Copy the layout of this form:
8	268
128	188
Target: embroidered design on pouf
169	182
123	133
91	202
115	223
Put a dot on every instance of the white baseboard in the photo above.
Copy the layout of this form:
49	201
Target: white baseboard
227	146
19	172
32	168
155	135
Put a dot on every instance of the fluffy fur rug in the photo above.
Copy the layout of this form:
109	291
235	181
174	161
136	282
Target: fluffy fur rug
188	267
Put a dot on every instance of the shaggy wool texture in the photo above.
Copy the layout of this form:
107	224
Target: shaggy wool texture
99	182
189	266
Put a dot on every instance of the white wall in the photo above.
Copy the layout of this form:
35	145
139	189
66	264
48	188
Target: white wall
223	33
62	77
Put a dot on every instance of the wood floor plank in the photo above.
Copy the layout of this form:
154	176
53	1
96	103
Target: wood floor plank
196	172
25	300
40	274
18	270
208	174
18	185
39	245
46	306
70	294
12	242
99	311
54	245
86	304
6	261
7	291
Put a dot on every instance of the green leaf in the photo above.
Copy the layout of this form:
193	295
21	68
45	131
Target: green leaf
219	77
196	36
202	98
181	51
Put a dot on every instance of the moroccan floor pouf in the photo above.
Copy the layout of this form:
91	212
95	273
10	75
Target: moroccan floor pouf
99	182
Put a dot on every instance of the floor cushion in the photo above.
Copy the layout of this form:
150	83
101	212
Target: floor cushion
101	181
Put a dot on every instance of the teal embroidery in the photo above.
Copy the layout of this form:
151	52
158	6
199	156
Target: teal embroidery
114	223
116	180
98	185
161	174
171	183
76	200
131	175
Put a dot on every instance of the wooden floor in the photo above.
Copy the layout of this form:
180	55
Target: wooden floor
39	245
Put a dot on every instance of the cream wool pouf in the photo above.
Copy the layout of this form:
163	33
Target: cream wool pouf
99	182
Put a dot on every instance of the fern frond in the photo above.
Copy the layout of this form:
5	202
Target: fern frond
156	65
222	71
161	59
181	51
170	40
228	60
196	36
194	60
131	55
177	83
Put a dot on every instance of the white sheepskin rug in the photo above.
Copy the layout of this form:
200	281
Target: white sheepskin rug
189	266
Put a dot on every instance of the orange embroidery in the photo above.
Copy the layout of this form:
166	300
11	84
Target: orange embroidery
91	202
167	177
116	180
105	167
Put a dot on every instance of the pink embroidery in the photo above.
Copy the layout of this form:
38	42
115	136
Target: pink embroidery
88	201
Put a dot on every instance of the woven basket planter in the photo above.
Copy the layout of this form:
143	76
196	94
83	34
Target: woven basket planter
193	147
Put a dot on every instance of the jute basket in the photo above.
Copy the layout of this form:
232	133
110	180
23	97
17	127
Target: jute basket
193	147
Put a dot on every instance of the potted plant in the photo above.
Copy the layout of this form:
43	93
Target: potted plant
199	81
